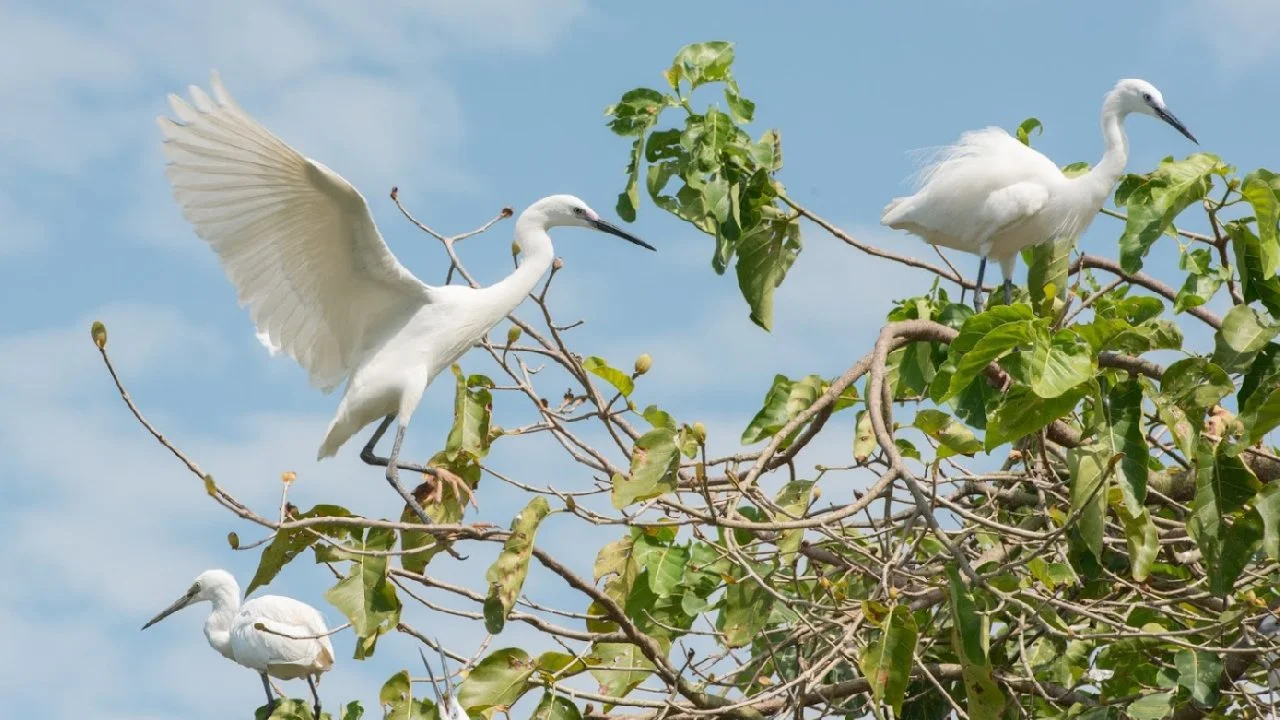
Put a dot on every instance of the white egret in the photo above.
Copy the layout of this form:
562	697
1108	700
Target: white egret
992	196
301	247
446	702
297	645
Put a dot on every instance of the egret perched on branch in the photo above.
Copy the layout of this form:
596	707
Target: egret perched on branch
446	702
300	246
293	644
992	196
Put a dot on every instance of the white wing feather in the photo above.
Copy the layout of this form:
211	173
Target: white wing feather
295	238
257	649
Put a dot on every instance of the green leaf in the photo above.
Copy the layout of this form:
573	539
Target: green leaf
1199	672
1267	505
396	699
1155	201
887	662
472	409
618	667
784	400
365	596
1195	385
985	338
764	256
636	112
1141	538
1260	188
629	198
793	499
621	381
666	564
507	573
864	438
742	109
497	681
1253	261
704	62
1154	706
1122	432
1242	335
952	436
1058	365
1088	465
1223	485
1027	127
745	612
1047	272
286	545
1022	412
969	639
654	461
555	707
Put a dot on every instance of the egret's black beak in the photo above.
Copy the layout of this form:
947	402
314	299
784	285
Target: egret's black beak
612	229
1168	117
180	603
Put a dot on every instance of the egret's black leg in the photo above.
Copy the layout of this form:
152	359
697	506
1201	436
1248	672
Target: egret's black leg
1008	291
393	477
314	696
977	290
271	699
366	454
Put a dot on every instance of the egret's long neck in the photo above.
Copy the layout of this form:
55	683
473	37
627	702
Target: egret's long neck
1103	177
536	255
217	627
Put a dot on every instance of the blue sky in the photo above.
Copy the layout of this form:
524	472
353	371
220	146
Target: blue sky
467	107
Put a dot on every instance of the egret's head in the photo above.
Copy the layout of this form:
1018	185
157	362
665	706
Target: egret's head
446	698
562	210
207	586
1140	96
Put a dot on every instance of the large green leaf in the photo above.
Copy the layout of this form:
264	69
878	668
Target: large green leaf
665	563
1141	537
952	436
1195	385
794	499
287	543
497	681
745	612
785	399
1047	272
1121	431
701	63
1223	485
1158	198
654	461
1254	260
398	703
618	667
1242	335
621	381
1022	412
555	707
365	596
472	408
636	112
764	256
1199	672
1059	364
983	339
1260	188
507	573
969	640
886	663
1088	465
1267	505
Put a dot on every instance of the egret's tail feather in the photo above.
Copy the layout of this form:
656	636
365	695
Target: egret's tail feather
890	214
340	431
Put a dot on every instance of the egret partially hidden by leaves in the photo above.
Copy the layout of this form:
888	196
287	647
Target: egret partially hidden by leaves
447	700
992	196
300	246
292	643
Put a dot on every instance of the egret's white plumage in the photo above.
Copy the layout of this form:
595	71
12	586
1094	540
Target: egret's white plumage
992	196
297	646
301	247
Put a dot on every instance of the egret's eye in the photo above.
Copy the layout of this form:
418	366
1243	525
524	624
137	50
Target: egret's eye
1146	96
579	211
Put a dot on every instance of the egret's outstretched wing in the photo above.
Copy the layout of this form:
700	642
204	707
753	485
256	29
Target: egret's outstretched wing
295	239
284	617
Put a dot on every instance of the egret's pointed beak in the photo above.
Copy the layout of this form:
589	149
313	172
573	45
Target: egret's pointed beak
1168	117
178	604
432	676
612	229
444	664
